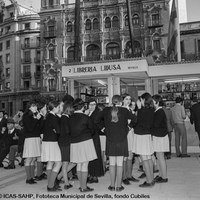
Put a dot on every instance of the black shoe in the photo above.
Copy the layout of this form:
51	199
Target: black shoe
126	182
92	180
143	175
140	169
53	189
179	156
156	178
31	181
162	180
185	156
118	189
111	188
66	187
133	179
10	167
44	176
87	189
145	184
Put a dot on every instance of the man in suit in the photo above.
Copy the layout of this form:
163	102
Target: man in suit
10	137
195	116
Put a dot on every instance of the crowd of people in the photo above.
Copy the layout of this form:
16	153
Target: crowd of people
77	137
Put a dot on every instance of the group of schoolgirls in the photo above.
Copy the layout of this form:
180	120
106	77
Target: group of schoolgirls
65	136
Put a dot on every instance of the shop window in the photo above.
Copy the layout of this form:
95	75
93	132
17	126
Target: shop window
156	44
115	22
135	19
69	26
92	51
126	20
155	19
88	24
112	49
107	22
95	24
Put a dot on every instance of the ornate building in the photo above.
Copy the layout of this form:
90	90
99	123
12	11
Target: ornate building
104	33
19	56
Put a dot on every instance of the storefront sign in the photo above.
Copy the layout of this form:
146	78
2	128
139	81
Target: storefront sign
105	68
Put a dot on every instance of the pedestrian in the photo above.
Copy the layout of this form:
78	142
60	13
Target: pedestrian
160	138
178	114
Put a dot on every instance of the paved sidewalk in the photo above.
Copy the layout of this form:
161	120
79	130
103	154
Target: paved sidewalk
183	174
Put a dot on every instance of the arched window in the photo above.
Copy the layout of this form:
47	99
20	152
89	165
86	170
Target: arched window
112	49
95	24
135	19
93	52
70	53
107	22
115	22
126	20
137	49
88	24
69	26
156	42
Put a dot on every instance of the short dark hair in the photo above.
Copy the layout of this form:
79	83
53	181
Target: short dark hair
53	104
78	104
158	99
179	100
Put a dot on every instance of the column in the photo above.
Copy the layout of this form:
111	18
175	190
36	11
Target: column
122	46
148	85
154	86
71	87
103	52
121	18
113	87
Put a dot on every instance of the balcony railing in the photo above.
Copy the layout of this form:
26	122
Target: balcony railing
30	46
111	57
92	58
26	60
37	60
49	34
26	75
37	75
154	24
190	56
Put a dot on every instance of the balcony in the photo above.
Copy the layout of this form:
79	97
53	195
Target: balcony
26	60
26	75
92	58
155	24
37	75
30	46
112	57
49	34
190	56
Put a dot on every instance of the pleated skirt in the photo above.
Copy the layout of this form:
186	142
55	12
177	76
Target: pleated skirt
82	151
161	144
142	144
32	147
50	152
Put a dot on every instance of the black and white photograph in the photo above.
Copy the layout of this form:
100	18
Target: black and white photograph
100	99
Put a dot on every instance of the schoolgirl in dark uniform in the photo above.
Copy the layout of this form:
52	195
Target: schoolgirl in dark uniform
32	146
143	144
115	120
64	143
160	138
50	149
82	148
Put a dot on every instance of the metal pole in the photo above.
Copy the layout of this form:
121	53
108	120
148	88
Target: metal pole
130	25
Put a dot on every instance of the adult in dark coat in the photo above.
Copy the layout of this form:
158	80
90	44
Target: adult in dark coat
195	118
95	167
3	124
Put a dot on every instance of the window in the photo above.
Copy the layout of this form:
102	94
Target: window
69	27
198	46
135	20
115	22
51	52
44	3
8	44
7	85
112	49
1	46
26	85
27	26
95	24
155	19
37	83
156	44
3	105
38	69
70	53
7	29
38	41
11	14
37	25
50	2
38	55
8	58
51	31
126	20
107	22
7	72
88	24
182	47
27	57
27	71
92	51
